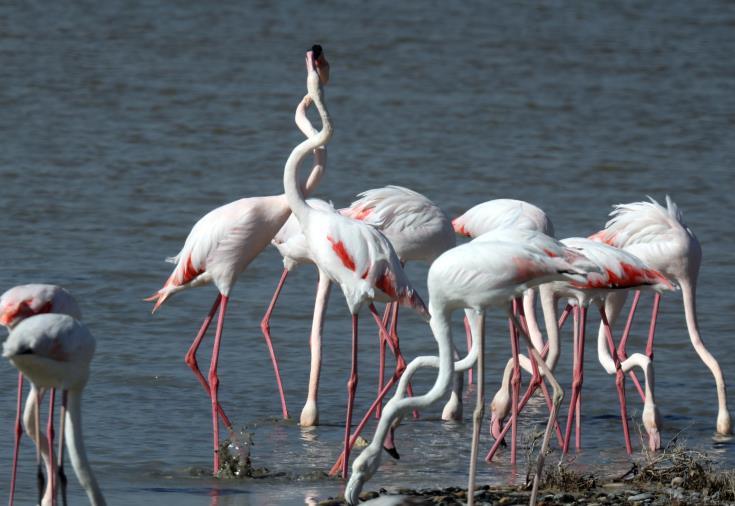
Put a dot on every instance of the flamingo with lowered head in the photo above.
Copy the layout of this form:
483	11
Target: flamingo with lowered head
54	351
658	236
351	253
616	270
219	247
476	275
17	304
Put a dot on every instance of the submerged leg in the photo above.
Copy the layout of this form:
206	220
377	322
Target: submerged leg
50	435
577	381
558	395
515	383
477	415
16	441
214	379
351	388
265	327
310	412
62	429
619	381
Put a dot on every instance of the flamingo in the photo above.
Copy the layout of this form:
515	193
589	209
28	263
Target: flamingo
616	270
415	226
658	236
218	248
54	351
351	253
476	275
17	304
504	214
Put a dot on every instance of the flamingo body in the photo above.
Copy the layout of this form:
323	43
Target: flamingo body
502	213
23	301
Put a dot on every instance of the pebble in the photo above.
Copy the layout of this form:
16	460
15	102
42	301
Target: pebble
640	497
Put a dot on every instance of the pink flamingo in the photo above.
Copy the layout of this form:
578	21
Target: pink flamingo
218	248
658	236
542	244
616	270
475	275
351	253
415	226
17	304
501	214
54	351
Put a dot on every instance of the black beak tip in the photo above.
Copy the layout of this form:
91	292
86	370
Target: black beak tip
316	50
393	453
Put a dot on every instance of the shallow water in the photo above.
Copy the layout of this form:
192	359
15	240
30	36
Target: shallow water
123	123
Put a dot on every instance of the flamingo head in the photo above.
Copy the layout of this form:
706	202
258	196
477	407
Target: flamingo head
317	62
363	468
651	422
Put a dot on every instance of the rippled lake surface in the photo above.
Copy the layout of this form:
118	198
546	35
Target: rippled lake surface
122	123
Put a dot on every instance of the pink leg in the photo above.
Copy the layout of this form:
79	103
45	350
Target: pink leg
392	341
351	388
266	329
619	381
652	327
381	350
214	379
577	381
39	466
394	335
18	433
50	435
515	387
62	429
191	357
339	463
622	355
468	332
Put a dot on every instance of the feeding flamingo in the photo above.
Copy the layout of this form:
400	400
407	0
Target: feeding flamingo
505	214
476	275
616	270
218	248
658	236
351	253
17	304
54	351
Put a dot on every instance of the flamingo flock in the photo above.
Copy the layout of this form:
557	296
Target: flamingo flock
511	260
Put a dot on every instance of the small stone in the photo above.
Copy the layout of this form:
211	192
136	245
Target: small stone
677	481
504	500
360	442
640	497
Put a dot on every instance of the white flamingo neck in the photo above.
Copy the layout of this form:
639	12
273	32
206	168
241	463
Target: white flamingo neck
294	194
77	453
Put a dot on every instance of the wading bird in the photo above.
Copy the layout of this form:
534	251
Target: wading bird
219	247
54	351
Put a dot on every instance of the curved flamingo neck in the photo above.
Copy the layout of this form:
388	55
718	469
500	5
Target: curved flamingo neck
77	453
294	194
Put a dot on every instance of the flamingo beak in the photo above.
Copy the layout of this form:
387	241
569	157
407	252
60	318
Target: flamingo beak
315	60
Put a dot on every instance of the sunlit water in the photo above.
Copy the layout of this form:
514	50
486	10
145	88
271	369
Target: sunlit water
123	123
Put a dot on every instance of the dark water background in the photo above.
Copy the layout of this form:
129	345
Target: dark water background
122	123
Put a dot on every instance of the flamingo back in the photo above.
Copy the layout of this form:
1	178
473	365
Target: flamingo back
617	268
655	234
416	227
502	213
23	301
361	260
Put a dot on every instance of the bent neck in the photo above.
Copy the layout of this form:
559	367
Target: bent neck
294	194
77	453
